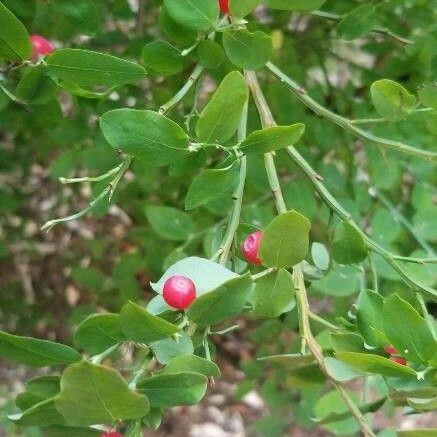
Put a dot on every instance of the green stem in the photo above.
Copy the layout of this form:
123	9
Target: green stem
379	30
402	219
93	178
107	191
166	107
298	277
384	120
345	123
264	273
332	203
323	321
97	359
237	198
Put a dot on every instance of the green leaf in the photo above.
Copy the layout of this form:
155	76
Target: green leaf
391	100
341	372
246	49
35	87
198	15
320	256
99	332
37	390
357	23
207	275
146	135
290	361
34	352
428	96
14	39
211	54
294	5
375	364
223	303
369	407
331	404
169	348
170	223
210	184
63	431
407	331
192	363
92	394
184	388
141	326
162	58
241	8
348	246
285	240
41	414
272	138
89	69
273	294
220	118
80	14
174	32
370	318
347	341
341	280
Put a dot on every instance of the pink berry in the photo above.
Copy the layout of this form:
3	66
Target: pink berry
179	292
111	434
250	247
390	350
224	6
400	360
41	46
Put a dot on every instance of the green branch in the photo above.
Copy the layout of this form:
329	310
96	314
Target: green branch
298	277
166	107
332	203
107	191
379	30
346	123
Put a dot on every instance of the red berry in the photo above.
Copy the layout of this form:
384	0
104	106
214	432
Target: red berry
179	292
400	360
41	46
390	350
251	247
111	434
224	6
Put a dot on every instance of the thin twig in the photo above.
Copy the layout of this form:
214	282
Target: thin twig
346	123
298	277
379	30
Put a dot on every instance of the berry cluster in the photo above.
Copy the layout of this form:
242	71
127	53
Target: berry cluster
179	291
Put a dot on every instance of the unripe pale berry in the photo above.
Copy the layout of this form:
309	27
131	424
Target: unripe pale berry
250	247
111	434
41	46
224	6
179	292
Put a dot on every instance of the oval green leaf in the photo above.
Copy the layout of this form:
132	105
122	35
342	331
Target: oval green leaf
146	135
220	118
285	242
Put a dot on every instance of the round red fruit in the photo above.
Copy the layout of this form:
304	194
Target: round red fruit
224	6
41	46
179	292
390	350
400	360
111	434
251	247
